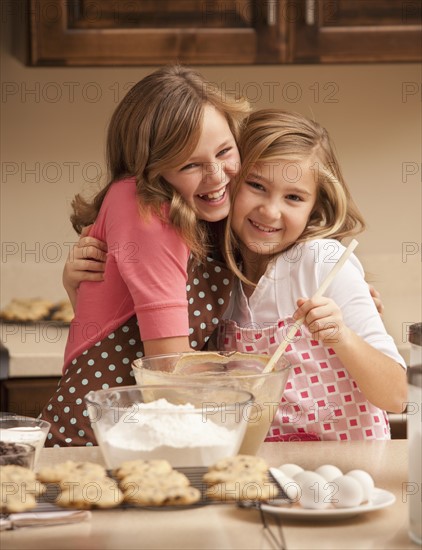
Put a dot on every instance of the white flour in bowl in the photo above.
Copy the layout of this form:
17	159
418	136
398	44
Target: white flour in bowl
182	438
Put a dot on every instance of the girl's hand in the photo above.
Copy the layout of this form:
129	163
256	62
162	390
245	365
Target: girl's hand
376	296
323	319
85	262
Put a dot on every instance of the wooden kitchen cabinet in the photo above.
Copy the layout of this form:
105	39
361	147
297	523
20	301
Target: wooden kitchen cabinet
343	31
216	32
152	32
26	396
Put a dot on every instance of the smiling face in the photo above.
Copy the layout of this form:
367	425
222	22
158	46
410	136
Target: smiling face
203	179
272	208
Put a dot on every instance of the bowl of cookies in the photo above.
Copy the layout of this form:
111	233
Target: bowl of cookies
246	371
188	425
24	430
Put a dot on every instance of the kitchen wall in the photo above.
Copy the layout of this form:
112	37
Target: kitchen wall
53	124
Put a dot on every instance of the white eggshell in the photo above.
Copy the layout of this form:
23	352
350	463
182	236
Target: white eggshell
290	470
290	487
314	490
281	473
366	481
348	493
329	472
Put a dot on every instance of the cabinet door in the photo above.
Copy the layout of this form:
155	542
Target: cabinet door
349	31
26	396
154	32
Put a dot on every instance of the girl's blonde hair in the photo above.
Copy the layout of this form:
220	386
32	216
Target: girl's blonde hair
276	135
156	127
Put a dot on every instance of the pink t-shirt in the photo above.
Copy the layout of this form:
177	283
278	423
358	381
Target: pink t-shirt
145	273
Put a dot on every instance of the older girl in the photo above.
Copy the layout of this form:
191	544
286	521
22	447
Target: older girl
171	152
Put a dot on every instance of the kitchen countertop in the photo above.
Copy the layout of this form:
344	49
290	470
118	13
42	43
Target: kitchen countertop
225	526
35	349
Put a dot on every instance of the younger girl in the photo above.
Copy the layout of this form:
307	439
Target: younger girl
171	152
291	207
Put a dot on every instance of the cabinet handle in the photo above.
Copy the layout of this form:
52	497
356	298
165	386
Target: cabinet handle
310	12
271	12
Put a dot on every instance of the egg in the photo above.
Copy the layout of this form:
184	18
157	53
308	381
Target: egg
290	487
290	470
366	481
314	490
329	472
348	492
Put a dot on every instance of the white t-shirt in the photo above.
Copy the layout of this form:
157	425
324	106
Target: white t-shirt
298	273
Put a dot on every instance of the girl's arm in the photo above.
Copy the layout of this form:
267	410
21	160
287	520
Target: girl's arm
162	346
85	262
381	379
376	296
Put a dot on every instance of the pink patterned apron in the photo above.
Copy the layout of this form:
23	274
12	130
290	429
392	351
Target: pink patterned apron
320	401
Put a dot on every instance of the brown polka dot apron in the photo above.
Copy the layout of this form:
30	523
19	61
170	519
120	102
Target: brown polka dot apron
208	290
107	363
320	401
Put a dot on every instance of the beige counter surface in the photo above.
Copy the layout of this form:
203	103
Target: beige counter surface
35	349
225	526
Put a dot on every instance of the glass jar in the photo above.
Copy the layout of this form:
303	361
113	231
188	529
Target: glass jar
414	432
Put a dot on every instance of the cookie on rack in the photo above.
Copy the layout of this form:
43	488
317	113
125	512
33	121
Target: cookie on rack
13	472
85	494
176	496
155	483
155	467
14	498
169	480
212	477
160	495
242	490
241	462
18	489
22	477
241	477
64	470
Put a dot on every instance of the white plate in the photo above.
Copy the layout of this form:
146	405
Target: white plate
380	499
